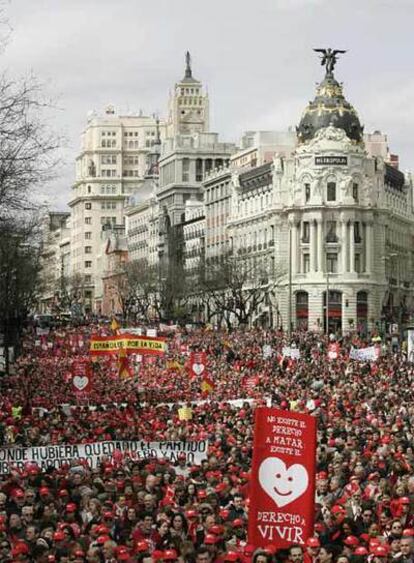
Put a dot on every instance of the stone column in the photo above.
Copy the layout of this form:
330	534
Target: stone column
294	250
344	245
312	246
351	247
320	246
368	247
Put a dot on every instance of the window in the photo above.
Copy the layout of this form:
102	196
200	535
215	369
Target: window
307	192
358	263
332	262
88	220
199	170
355	192
88	264
186	170
88	205
88	249
331	191
88	235
331	231
305	234
108	159
88	278
357	232
306	263
89	189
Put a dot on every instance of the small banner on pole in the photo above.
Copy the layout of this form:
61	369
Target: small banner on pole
283	478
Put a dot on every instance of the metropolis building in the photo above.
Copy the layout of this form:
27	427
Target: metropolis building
332	218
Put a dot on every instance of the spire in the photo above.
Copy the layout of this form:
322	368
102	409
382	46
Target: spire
157	131
188	71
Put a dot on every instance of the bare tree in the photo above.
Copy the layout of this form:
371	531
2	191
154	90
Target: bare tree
19	277
136	286
234	288
27	146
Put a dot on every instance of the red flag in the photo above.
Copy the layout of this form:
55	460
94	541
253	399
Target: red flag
207	385
283	478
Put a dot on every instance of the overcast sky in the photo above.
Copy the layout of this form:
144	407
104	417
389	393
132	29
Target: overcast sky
255	57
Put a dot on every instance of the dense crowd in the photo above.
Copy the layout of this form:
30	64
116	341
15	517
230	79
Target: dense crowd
157	510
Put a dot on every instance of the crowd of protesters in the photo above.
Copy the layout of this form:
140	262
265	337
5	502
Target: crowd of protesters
157	510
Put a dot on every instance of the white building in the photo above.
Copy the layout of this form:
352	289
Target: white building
55	259
339	219
110	167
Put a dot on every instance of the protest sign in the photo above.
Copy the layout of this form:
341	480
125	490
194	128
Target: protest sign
81	376
58	455
283	476
267	351
333	351
104	345
369	354
410	344
290	352
198	363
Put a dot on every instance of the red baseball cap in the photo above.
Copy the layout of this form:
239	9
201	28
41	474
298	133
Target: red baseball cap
58	536
20	548
170	555
102	539
122	554
361	550
232	556
380	551
142	545
351	541
237	523
404	500
71	507
313	542
210	539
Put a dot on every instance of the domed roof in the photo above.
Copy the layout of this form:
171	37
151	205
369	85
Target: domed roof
329	108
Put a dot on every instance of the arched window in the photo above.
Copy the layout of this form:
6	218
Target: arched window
331	191
302	310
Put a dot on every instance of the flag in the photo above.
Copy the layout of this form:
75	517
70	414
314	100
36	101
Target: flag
123	366
174	365
207	385
114	325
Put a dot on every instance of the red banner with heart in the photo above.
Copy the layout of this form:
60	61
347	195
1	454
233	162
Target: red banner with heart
198	364
283	478
81	377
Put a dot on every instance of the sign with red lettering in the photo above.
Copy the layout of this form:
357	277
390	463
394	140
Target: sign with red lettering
81	376
198	364
283	478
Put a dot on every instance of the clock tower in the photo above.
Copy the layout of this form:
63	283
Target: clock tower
188	105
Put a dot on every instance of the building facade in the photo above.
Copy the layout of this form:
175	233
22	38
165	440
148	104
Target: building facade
339	222
54	260
110	167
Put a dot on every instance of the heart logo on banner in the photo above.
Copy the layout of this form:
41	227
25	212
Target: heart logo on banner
198	368
283	485
80	382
